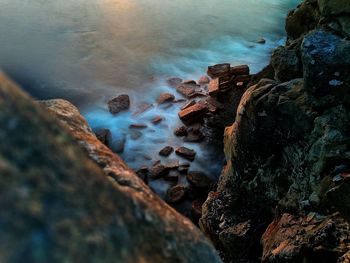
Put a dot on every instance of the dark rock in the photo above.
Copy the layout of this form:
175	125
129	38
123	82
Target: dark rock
104	135
137	126
240	70
261	41
166	151
198	179
118	104
174	81
175	194
165	97
61	188
194	113
158	170
157	120
194	136
286	64
173	176
143	173
189	104
219	70
186	153
181	131
196	210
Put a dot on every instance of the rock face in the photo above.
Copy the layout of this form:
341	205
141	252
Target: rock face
57	205
284	194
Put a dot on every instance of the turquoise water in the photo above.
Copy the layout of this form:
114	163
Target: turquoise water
88	51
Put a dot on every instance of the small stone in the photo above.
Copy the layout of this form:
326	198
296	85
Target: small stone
261	41
203	80
118	104
165	97
183	168
166	151
104	135
174	81
175	194
137	126
157	120
198	179
181	131
118	145
186	153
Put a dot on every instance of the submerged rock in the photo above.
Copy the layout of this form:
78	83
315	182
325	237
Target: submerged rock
174	81
118	104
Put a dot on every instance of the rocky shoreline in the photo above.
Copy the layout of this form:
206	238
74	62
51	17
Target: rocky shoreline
283	193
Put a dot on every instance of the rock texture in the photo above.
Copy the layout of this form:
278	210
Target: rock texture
284	194
57	205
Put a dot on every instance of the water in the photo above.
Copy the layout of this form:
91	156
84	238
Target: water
88	51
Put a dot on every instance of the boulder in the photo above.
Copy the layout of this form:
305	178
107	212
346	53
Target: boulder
286	64
194	113
186	153
119	103
138	126
58	205
157	119
219	70
165	97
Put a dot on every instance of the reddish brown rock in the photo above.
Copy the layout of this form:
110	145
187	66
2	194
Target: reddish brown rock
186	153
214	87
198	179
166	151
158	170
194	136
118	104
157	120
240	70
219	70
241	80
143	173
175	194
193	113
137	126
165	97
104	135
261	41
181	131
189	104
203	80
186	90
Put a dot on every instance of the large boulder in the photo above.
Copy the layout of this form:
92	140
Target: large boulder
57	205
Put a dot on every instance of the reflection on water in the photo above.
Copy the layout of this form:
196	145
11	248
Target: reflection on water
90	50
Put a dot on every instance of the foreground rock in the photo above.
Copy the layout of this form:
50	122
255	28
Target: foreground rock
118	104
284	194
58	205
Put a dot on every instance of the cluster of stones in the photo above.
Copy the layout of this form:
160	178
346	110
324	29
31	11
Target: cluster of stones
201	100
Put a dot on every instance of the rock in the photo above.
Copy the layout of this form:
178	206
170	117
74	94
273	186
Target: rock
118	104
189	104
118	144
286	64
157	119
175	194
165	97
240	70
173	176
190	82
142	107
203	80
196	210
57	202
186	153
194	113
187	90
214	87
137	126
181	131
158	170
166	151
219	70
104	135
174	81
261	41
194	136
143	173
198	179
335	7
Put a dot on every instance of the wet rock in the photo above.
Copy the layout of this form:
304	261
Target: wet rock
172	164
174	81
166	151
198	179
60	187
143	173
137	126
157	119
175	194
158	170
190	82
165	97
181	131
203	80
118	104
241	80
193	113
219	70
189	104
286	64
187	90
186	153
240	70
261	41
104	135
